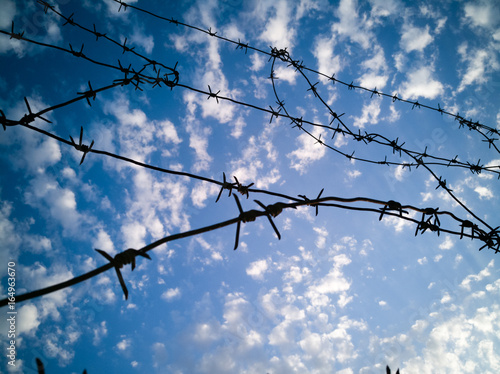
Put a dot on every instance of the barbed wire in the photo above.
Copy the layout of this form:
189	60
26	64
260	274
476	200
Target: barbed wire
138	78
284	56
351	86
224	185
429	220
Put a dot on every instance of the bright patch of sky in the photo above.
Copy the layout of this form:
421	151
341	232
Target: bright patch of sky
343	291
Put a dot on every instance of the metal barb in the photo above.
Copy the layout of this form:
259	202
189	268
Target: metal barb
241	188
80	146
124	258
269	213
90	94
392	205
225	185
212	94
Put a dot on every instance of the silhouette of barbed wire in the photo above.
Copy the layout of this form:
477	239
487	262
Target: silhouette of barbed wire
470	124
139	78
430	216
284	56
390	208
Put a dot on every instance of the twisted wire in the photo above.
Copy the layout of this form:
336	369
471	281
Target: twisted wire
472	125
430	217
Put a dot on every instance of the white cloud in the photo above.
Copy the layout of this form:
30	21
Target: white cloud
156	205
202	191
138	38
352	25
233	32
296	274
480	63
10	238
328	62
306	7
334	281
286	74
308	152
134	234
370	113
160	354
171	294
258	155
484	192
99	332
278	30
482	13
375	66
320	241
36	243
104	242
27	319
415	38
257	269
420	83
398	223
168	132
258	61
353	174
466	283
198	135
46	194
8	13
384	8
123	344
447	244
422	261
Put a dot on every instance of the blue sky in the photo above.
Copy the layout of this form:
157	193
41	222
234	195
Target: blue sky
341	291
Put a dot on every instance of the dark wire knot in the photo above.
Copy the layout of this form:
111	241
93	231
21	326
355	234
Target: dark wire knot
122	4
442	184
225	186
46	6
90	94
124	258
375	92
7	122
13	35
282	54
475	168
69	20
213	94
77	53
310	203
80	146
468	224
313	89
30	117
125	48
242	46
490	238
241	188
396	147
392	205
274	113
97	34
251	216
427	225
